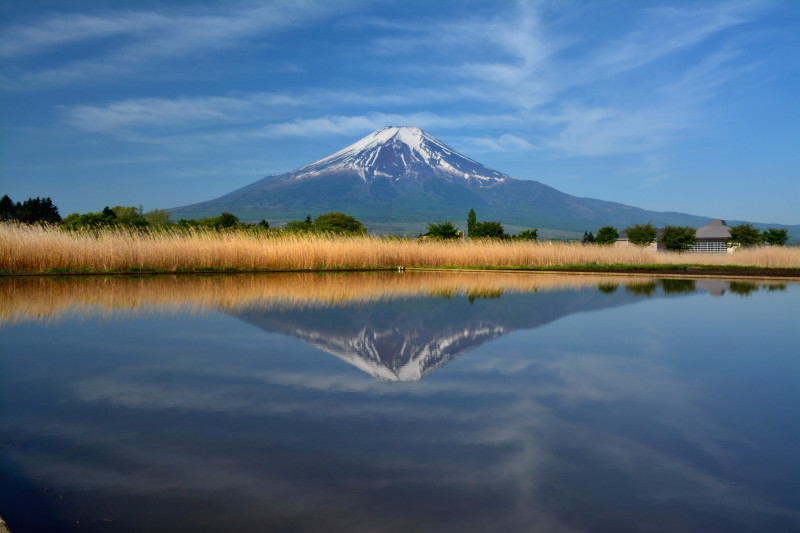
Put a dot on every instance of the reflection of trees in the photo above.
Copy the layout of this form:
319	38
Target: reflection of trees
642	289
485	294
607	288
746	288
742	288
678	286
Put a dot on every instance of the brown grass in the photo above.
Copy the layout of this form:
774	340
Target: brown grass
47	299
39	249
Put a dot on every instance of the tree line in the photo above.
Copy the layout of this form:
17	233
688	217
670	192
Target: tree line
42	210
30	211
478	230
683	238
674	238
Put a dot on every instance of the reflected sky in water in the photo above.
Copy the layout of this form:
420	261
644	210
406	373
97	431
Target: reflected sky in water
646	405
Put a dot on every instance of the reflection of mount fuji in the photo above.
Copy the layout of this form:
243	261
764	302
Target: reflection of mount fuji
406	339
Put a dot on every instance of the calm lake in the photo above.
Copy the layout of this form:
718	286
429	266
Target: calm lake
401	402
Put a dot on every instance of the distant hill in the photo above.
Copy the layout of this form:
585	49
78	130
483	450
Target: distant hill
398	179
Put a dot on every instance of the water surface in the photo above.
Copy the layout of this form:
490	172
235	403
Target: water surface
399	402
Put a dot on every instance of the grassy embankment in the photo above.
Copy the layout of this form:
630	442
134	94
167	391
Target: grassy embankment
35	249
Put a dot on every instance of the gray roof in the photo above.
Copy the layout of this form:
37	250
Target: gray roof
716	230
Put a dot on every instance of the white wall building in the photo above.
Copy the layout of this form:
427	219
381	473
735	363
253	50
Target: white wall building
711	238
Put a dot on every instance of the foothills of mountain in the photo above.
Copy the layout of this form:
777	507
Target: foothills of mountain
675	238
398	179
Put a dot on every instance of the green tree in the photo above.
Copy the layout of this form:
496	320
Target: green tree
529	235
69	221
744	235
109	213
588	238
775	236
443	230
264	224
129	216
489	230
48	212
224	220
157	218
641	234
188	223
76	221
35	210
678	238
299	225
472	219
606	235
339	223
7	208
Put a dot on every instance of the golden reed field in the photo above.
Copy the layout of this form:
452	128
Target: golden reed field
46	299
39	249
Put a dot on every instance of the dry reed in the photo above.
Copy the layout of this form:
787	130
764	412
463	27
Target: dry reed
39	249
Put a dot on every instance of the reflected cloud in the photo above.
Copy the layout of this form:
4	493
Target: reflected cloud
546	432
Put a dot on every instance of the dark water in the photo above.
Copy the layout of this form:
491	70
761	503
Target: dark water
655	406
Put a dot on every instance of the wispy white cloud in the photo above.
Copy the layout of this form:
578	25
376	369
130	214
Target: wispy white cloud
666	30
602	131
504	143
123	116
131	43
580	99
174	112
526	67
354	123
199	122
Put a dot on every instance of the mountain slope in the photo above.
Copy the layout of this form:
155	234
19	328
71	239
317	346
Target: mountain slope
402	178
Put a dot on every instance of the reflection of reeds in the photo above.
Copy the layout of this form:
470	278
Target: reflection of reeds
37	249
45	299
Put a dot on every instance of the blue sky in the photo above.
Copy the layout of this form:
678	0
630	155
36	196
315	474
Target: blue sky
672	106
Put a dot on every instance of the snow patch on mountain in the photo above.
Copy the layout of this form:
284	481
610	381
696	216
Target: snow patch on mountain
401	152
394	355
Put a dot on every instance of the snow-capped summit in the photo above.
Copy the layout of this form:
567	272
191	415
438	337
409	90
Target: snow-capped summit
401	152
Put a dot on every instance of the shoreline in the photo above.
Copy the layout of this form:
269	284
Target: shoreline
710	271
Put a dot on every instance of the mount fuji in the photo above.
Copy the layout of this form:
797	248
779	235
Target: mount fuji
398	179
